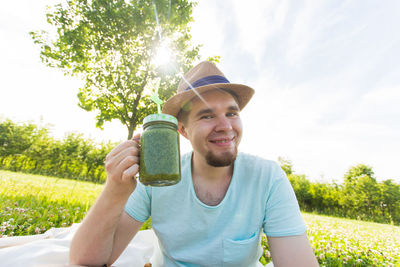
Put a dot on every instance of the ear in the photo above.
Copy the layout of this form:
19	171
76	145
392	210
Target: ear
182	130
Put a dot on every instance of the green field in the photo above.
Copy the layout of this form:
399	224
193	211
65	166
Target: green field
32	204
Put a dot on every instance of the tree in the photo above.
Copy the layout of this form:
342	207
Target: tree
301	187
368	194
286	165
16	138
390	200
357	171
360	190
110	44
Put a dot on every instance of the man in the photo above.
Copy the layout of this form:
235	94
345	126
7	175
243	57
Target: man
216	214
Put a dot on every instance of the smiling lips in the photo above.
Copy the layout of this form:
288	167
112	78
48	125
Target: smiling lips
226	141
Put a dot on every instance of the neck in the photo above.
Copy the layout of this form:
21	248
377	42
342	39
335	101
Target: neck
210	183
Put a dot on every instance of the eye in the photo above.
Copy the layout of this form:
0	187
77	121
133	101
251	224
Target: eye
232	114
206	117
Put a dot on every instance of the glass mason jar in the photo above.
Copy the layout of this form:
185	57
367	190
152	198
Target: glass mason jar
160	160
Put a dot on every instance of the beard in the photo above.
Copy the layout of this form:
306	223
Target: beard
225	159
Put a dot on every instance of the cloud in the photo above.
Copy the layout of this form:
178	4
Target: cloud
326	79
207	28
380	107
258	21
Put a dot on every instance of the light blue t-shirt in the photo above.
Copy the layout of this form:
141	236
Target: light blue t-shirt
191	233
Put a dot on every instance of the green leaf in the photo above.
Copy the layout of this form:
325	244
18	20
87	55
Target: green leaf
109	45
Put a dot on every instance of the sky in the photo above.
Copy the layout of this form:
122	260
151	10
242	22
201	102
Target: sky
326	76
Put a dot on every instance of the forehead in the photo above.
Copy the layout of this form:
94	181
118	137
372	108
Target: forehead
209	100
212	98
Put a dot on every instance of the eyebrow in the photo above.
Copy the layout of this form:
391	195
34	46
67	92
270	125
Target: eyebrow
209	110
234	108
204	111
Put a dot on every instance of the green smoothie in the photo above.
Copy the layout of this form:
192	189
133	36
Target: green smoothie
160	163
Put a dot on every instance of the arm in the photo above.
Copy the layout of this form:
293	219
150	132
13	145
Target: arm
107	229
284	225
292	251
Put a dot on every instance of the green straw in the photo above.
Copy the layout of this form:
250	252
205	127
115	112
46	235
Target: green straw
156	99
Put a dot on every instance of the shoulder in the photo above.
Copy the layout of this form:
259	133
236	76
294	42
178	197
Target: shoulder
257	171
253	163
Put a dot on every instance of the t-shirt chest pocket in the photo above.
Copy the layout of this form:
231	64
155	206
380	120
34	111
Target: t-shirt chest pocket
243	252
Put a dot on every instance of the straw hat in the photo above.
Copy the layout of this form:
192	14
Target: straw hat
204	77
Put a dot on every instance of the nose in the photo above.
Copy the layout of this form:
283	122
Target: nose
223	124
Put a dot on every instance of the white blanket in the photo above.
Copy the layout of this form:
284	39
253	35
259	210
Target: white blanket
52	249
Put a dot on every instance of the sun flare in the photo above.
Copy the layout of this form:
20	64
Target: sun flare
164	54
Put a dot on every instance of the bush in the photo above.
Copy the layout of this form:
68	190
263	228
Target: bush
359	197
28	148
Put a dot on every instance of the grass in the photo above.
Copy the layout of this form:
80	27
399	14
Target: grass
32	204
344	242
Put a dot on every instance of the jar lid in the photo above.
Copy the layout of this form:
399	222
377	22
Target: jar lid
160	117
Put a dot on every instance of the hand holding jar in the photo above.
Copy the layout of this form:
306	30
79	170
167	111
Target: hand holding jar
122	165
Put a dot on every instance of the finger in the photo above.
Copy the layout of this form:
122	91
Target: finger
128	151
128	162
136	137
114	162
120	148
131	172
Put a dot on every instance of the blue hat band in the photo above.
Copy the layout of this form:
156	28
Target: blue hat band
208	80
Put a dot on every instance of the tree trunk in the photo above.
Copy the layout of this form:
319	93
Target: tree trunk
130	132
131	128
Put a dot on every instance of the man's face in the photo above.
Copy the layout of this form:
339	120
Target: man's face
214	128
